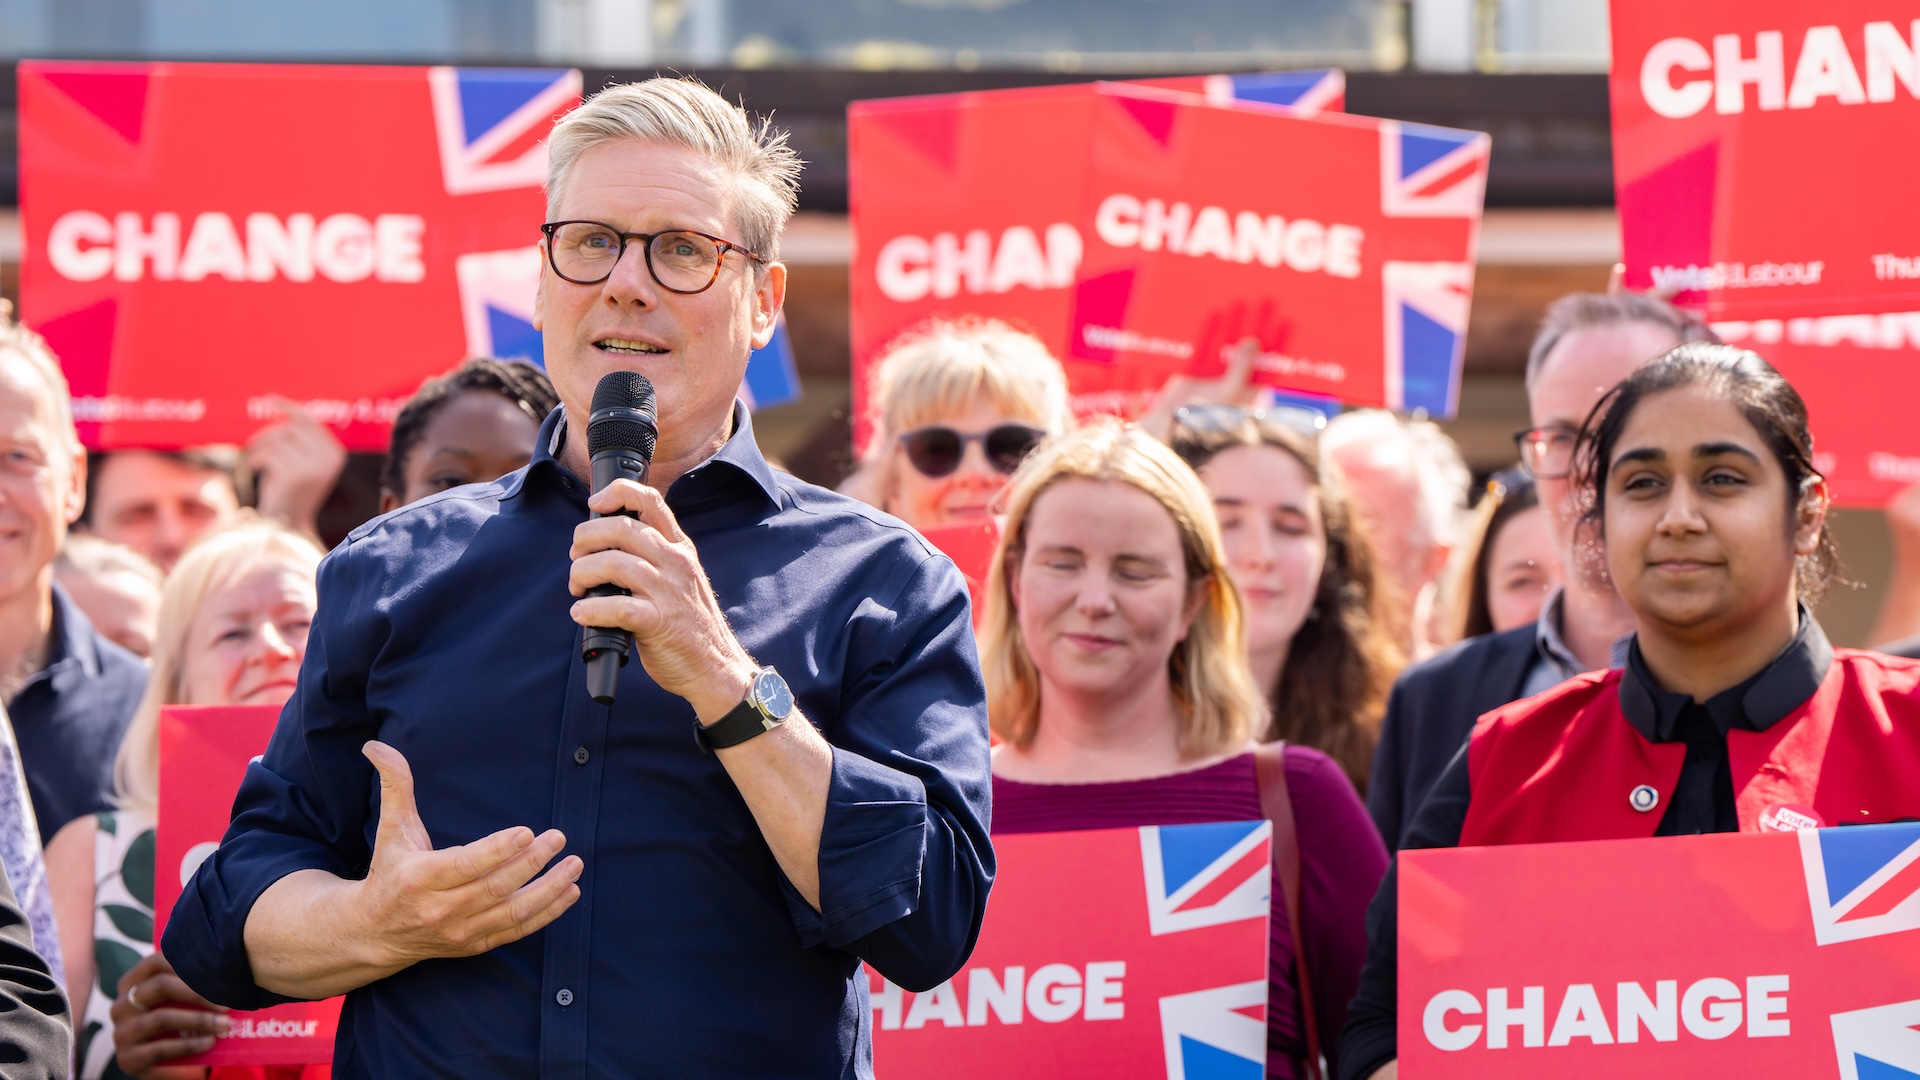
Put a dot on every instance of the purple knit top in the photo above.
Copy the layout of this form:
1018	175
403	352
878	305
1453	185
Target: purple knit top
1341	863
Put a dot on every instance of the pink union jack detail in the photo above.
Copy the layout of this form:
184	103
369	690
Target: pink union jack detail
1206	875
492	124
1431	171
1880	1043
1218	1034
1862	881
496	303
1426	324
1301	92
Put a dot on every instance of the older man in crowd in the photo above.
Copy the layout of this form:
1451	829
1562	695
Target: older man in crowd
793	776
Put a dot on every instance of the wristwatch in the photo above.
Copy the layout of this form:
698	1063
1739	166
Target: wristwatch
769	703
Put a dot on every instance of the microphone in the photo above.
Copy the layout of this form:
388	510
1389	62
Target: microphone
620	434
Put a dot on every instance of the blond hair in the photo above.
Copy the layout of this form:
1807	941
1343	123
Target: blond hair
683	112
1218	704
213	563
32	349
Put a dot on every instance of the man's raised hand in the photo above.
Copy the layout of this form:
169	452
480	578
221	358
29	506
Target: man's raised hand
420	904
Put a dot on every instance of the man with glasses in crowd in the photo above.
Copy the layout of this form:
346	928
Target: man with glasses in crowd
1587	343
792	778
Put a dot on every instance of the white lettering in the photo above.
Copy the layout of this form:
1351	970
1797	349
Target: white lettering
1164	226
343	248
1212	234
1890	56
1531	1017
887	1003
1824	70
1103	990
133	247
986	992
1661	1017
1064	250
1302	245
1053	994
901	269
396	247
213	248
1263	238
939	1003
1732	72
1711	1009
69	259
1766	998
1434	1020
1117	221
1018	262
1343	250
273	247
1656	78
1306	245
954	261
1580	1018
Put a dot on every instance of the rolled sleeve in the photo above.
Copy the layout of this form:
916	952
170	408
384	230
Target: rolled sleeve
905	863
304	805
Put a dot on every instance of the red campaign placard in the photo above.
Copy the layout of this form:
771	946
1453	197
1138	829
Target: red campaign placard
971	546
1790	955
1859	375
1764	153
1117	952
204	752
1140	232
201	237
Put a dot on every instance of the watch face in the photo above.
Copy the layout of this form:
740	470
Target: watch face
771	691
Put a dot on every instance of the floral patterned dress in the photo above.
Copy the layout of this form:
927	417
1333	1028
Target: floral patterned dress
123	860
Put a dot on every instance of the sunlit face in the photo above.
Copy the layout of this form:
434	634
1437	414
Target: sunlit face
246	640
1101	590
1582	367
968	493
1523	566
693	348
1275	536
1699	537
42	479
158	506
475	436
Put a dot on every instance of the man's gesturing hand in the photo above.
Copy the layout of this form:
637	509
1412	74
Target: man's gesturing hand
419	904
679	631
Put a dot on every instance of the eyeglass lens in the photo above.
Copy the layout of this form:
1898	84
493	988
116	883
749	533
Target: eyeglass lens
1547	452
584	252
936	451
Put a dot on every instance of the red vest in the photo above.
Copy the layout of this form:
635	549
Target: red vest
1564	765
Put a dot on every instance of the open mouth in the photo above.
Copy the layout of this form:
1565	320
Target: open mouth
628	347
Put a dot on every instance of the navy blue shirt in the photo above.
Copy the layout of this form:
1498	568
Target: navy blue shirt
443	630
70	716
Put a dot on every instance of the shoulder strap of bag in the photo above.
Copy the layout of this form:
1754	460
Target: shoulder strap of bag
1270	770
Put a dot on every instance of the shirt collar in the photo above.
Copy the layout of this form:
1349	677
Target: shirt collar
71	650
740	455
1757	704
1551	644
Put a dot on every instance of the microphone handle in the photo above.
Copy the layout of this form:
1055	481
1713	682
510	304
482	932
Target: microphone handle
605	648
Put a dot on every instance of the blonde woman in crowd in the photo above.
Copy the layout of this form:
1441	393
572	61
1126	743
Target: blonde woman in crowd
232	631
956	406
1115	660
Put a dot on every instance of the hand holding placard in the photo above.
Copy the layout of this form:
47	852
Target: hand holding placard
146	1031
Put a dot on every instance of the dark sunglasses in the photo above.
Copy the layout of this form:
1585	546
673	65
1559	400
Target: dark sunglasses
936	451
1305	422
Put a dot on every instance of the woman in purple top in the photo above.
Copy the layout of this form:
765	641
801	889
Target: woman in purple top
1117	680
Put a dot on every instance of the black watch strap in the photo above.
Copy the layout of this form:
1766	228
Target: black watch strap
743	722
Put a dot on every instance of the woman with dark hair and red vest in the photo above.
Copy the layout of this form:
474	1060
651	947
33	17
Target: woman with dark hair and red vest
1733	712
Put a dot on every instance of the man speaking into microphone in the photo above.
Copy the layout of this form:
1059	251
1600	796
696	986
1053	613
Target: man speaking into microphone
508	878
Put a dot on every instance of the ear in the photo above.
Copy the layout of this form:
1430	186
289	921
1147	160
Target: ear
74	499
388	500
540	289
769	297
1811	519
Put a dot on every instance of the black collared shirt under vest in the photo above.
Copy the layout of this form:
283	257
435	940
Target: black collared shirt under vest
1702	802
443	630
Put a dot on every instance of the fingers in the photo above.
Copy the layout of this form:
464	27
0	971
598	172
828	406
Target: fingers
399	817
1240	361
459	870
643	502
537	904
158	990
135	1060
640	572
142	1039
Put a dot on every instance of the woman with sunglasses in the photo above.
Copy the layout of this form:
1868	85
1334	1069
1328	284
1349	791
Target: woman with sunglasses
956	407
1316	641
1733	712
1115	659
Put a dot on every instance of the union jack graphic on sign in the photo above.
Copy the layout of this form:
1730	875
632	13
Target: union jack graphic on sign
1426	332
492	124
1209	875
1863	881
1431	171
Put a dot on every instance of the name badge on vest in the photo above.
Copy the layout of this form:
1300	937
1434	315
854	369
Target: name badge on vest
1787	817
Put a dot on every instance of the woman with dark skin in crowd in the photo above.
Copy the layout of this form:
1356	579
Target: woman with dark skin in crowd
474	424
1733	713
1316	639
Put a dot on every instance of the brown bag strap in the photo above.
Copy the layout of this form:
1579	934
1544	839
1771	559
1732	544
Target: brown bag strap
1270	770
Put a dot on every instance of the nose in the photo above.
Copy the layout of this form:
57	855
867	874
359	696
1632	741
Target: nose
271	646
1095	598
1681	515
1257	550
631	283
975	470
171	534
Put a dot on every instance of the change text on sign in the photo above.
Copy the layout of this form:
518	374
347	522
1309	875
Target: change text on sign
1053	994
87	246
1824	68
1302	245
1710	1008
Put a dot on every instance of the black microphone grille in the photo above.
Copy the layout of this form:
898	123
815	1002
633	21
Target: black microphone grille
623	414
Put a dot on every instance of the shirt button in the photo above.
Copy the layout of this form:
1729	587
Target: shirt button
580	755
564	997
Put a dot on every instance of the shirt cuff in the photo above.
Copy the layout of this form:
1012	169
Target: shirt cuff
873	843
